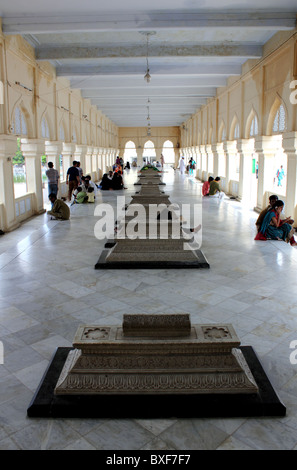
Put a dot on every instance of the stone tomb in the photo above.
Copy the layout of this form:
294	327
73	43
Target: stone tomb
155	366
159	354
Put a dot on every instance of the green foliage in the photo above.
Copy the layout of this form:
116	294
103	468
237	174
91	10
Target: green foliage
18	159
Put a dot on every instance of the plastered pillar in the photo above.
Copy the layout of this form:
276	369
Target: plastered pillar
290	149
245	148
53	150
265	147
68	157
218	159
33	149
8	148
230	149
80	156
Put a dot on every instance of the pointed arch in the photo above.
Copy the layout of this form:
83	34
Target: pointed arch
222	132
252	125
234	128
277	119
45	126
20	120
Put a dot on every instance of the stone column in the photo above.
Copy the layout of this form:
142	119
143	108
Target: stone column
88	160
94	162
139	157
265	147
33	149
100	162
245	148
68	157
218	159
53	150
198	161
8	148
80	156
209	154
230	149
290	149
204	160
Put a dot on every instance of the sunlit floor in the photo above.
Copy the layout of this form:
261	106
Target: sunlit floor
49	286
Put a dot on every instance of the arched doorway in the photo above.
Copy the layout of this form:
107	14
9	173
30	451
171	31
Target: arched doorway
130	154
149	152
168	153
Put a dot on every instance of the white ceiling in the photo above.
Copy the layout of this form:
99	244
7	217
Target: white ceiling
194	47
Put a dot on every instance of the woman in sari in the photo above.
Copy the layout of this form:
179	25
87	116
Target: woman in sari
273	228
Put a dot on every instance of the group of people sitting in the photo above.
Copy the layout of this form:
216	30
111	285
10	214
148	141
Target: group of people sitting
113	180
211	188
85	192
272	225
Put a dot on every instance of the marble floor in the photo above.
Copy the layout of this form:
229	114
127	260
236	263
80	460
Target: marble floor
48	286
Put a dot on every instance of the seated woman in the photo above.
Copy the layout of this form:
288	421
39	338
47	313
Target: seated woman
273	228
117	181
106	183
206	186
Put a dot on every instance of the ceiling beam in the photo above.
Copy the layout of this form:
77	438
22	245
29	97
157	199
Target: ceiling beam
147	21
155	50
197	92
225	69
95	83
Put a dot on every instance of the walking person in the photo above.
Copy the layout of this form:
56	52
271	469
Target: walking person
182	165
72	179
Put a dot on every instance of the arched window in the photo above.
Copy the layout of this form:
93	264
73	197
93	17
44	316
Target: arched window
279	123
223	138
236	132
254	127
19	125
45	129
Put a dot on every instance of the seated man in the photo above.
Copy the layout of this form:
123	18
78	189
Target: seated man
60	210
215	190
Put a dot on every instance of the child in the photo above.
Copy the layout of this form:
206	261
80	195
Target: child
81	196
91	194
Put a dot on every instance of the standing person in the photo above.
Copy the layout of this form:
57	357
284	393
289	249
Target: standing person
80	172
60	210
192	166
280	175
162	160
53	179
182	165
72	179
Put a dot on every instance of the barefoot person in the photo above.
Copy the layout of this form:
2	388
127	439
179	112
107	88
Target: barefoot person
60	209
